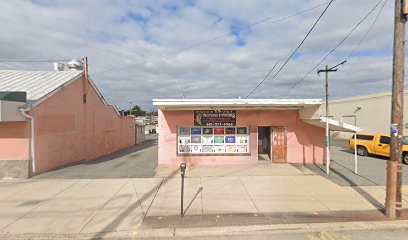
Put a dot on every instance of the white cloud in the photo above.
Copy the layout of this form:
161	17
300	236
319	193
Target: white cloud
117	34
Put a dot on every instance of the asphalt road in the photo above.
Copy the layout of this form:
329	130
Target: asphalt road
371	169
139	161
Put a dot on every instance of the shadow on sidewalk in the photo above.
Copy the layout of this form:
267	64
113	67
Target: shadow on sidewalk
192	200
119	218
356	187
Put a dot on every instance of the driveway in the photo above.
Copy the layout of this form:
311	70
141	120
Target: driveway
371	169
138	161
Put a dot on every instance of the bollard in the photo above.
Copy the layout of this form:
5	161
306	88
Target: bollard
182	171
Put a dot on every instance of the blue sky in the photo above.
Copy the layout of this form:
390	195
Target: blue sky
130	45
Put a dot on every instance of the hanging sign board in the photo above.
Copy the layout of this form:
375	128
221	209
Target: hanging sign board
215	118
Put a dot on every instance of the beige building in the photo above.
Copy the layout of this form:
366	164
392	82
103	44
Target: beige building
372	113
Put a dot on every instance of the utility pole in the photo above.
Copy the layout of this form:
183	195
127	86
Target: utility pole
394	168
326	71
130	107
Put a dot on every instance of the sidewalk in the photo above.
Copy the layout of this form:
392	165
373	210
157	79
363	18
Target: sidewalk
73	206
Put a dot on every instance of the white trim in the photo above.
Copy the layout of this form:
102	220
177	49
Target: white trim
179	104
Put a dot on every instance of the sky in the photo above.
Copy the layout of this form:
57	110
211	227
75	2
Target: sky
142	50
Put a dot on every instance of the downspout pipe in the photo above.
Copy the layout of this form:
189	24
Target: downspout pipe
32	139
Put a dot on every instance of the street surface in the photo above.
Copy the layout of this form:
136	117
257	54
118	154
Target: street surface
134	162
126	192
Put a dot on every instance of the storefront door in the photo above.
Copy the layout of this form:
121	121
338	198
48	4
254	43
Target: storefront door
264	144
279	145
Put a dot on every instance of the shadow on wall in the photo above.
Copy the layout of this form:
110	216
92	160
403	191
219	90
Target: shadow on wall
309	142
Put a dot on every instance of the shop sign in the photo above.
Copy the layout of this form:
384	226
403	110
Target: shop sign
215	118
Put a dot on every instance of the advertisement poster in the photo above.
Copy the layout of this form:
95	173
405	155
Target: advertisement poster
196	149
229	130
184	131
242	148
230	139
208	140
196	131
208	149
219	149
208	131
195	139
242	139
219	140
184	148
218	131
184	140
230	148
215	117
241	130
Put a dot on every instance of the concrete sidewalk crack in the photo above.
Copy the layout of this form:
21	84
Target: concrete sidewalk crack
240	181
138	198
103	206
39	205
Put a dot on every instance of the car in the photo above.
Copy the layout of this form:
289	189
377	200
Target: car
377	144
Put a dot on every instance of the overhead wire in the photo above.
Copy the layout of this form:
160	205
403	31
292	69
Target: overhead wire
293	53
341	42
32	61
211	39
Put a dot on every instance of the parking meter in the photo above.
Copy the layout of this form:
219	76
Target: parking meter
182	171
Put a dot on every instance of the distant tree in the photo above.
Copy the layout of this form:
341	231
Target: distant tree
137	111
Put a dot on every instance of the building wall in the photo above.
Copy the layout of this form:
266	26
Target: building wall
14	140
305	142
68	130
372	113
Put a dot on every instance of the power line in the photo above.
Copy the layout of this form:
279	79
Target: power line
293	53
368	31
32	61
212	39
341	42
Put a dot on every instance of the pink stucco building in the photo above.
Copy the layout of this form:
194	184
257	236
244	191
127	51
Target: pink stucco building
52	118
242	131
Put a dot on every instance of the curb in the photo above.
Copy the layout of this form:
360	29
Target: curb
216	231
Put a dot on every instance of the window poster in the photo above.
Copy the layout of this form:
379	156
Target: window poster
229	139
196	149
208	139
195	139
184	140
242	148
229	130
242	139
213	140
196	131
208	149
219	139
230	148
184	148
208	131
241	130
219	149
184	131
218	131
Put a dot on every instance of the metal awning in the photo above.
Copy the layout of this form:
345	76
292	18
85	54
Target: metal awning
333	125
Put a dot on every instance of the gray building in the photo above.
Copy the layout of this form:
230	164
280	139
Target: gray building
372	113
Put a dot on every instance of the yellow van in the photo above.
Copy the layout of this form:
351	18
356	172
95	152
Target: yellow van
377	144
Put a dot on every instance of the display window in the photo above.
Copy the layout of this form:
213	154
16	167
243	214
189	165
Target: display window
213	140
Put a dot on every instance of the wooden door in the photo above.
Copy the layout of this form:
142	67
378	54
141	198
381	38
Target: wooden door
279	145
